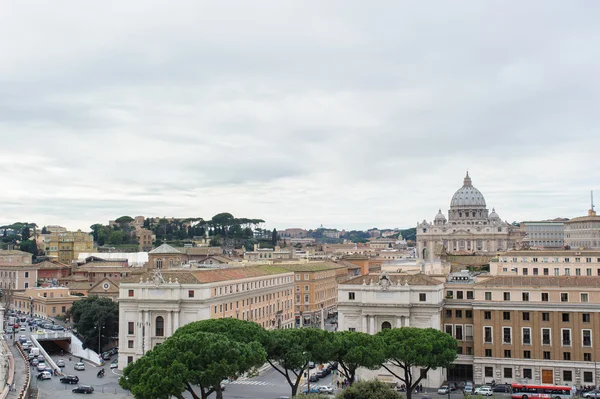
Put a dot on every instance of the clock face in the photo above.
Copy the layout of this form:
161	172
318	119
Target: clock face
106	286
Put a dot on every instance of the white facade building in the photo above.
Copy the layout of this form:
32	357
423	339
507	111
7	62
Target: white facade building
374	302
152	309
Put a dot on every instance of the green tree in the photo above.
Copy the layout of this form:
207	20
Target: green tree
25	233
410	347
235	329
116	238
187	359
369	390
44	230
96	319
356	349
274	237
290	350
123	220
29	246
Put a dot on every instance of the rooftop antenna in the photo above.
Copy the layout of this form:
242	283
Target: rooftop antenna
592	194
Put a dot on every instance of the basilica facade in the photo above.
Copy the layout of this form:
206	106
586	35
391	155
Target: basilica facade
469	229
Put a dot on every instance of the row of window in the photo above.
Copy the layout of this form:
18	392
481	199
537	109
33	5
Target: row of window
544	296
527	373
546	260
547	355
546	272
422	296
566	317
546	336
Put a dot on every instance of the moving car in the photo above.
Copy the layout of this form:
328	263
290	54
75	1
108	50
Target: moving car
83	389
44	375
106	356
313	378
41	366
60	363
325	389
79	366
35	362
443	390
484	391
114	364
69	379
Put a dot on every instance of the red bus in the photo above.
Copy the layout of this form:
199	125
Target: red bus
528	391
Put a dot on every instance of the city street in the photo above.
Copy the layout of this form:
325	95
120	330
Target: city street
108	386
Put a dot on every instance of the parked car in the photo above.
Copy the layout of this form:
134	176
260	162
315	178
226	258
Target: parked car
320	374
83	389
443	390
484	391
591	394
468	390
325	389
311	390
313	378
114	364
501	388
69	379
79	366
44	375
311	365
60	363
106	356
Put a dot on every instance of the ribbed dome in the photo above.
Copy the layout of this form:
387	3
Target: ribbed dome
467	196
493	215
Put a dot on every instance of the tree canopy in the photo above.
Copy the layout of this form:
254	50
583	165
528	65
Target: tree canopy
95	318
290	350
409	347
356	349
186	360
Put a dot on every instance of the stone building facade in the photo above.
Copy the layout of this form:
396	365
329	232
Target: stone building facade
583	232
469	229
151	309
374	302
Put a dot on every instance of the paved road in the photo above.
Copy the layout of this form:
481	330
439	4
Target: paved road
103	387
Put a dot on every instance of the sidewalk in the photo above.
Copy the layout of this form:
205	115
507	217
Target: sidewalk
20	370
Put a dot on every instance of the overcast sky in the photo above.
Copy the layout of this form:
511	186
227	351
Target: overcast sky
350	114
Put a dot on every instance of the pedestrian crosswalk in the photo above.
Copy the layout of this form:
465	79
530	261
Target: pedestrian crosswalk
251	382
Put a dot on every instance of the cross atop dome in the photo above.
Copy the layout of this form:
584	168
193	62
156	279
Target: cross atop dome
467	181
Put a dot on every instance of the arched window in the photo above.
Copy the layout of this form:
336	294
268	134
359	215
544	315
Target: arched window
160	327
386	325
159	263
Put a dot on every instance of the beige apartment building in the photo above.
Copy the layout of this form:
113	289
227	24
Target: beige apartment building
151	309
546	263
16	270
583	232
537	329
65	247
315	289
145	239
44	302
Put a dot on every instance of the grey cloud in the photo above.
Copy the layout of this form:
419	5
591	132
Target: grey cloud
348	114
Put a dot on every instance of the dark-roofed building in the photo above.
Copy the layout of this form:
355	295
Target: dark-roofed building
154	305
